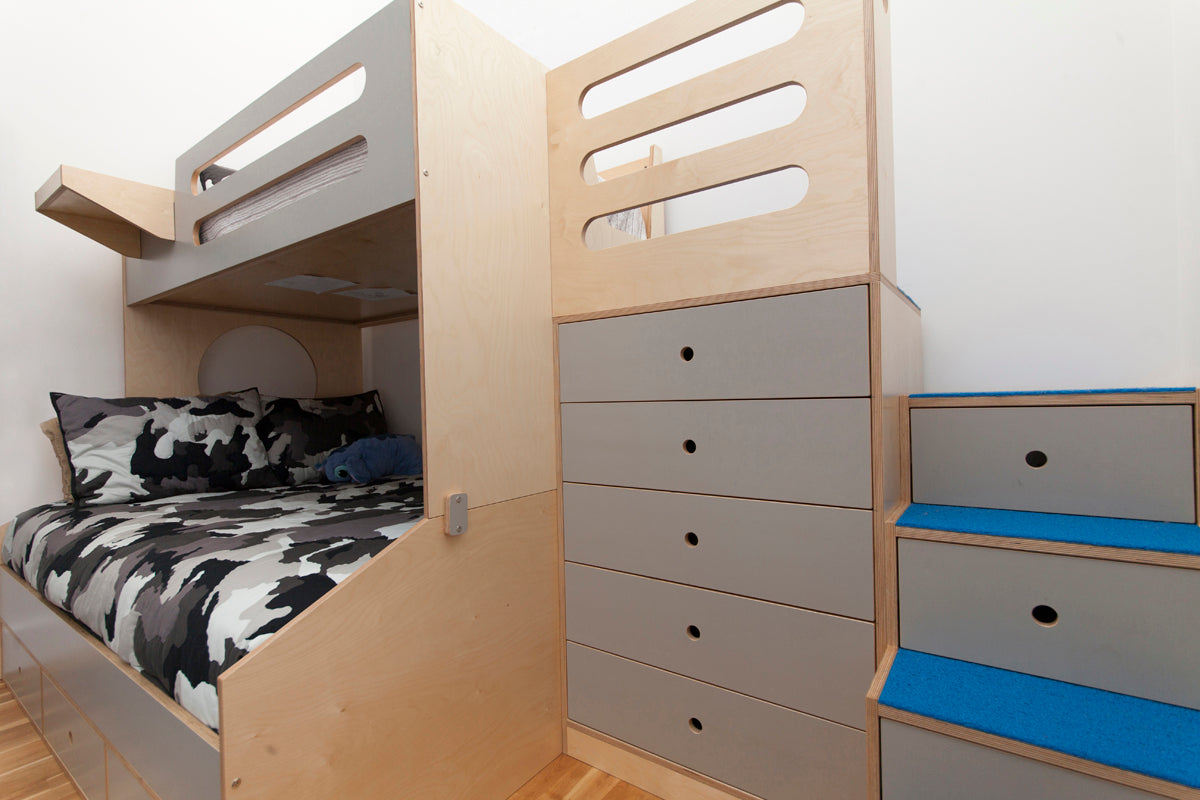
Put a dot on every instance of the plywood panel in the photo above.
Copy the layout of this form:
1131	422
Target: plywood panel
827	235
164	345
432	673
486	333
111	211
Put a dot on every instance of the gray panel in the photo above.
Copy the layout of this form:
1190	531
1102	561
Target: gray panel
920	765
24	677
757	747
815	344
79	748
173	759
811	556
383	115
122	785
807	451
1108	461
1128	628
811	662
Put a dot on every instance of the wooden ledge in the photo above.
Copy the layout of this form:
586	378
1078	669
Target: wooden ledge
111	211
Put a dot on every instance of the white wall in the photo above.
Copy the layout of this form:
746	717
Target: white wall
392	364
1046	169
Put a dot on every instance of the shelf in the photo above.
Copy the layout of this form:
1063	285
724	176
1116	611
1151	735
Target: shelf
111	211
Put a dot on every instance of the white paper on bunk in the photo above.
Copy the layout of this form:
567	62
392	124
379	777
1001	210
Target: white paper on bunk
317	284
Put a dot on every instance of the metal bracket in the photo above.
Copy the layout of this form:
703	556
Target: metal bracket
456	514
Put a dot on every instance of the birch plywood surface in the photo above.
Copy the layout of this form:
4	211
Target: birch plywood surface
486	331
28	771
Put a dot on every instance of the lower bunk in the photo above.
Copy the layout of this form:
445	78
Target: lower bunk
429	671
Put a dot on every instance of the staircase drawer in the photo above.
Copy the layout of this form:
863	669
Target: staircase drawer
811	662
811	556
1121	627
760	748
805	451
1131	461
921	765
814	344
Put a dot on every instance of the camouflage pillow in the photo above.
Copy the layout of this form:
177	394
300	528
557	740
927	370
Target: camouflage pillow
135	448
299	434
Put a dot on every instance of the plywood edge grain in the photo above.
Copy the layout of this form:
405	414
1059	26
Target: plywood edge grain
1116	398
645	770
111	211
1054	758
874	760
432	672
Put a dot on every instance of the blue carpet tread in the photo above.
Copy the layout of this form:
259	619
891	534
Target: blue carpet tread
1058	392
1129	733
1163	537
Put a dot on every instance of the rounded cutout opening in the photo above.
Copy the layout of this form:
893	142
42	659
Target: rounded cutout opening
1045	616
696	725
689	446
691	538
261	356
693	632
687	354
1036	459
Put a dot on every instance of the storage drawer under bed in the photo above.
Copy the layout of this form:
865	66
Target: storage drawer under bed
23	676
761	748
1112	625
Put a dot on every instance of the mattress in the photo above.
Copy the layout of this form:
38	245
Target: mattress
308	181
182	587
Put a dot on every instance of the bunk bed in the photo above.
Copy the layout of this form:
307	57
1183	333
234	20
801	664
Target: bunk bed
439	668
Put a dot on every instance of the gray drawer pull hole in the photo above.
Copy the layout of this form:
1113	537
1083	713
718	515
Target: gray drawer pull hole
693	632
696	725
687	354
691	538
1045	616
70	737
1036	459
689	446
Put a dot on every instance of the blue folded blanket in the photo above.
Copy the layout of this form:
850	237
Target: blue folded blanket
372	458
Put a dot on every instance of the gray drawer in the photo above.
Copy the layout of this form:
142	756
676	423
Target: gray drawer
1127	628
811	662
1108	461
815	344
811	556
75	742
23	676
123	784
807	451
920	765
755	746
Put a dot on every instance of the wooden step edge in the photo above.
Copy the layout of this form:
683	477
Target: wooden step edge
112	211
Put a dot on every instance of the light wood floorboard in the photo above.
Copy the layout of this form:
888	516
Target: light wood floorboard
569	779
28	771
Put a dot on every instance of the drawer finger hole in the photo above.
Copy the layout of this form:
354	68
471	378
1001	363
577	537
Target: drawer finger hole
1046	616
696	725
693	632
689	446
687	354
1036	459
691	538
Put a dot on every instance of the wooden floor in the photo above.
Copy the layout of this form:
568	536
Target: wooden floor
27	769
568	779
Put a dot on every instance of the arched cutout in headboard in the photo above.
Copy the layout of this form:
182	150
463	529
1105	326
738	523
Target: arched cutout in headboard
257	355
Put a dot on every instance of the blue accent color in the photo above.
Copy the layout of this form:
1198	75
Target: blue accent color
909	296
1147	390
1143	736
1163	537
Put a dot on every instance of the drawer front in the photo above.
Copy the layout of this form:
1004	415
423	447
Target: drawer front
811	556
920	765
806	451
811	662
1121	627
760	748
815	344
1109	461
23	677
122	785
77	745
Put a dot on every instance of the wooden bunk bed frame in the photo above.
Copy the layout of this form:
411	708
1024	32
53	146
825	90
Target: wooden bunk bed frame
439	669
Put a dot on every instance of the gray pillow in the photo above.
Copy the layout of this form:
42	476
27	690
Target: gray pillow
136	448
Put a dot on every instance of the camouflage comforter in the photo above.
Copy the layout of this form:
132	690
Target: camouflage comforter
182	587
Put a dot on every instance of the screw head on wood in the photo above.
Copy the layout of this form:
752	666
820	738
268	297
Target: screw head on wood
236	782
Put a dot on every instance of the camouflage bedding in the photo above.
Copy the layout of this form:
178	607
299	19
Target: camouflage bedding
182	587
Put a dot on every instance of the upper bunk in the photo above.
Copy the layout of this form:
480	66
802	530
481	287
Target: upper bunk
330	212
